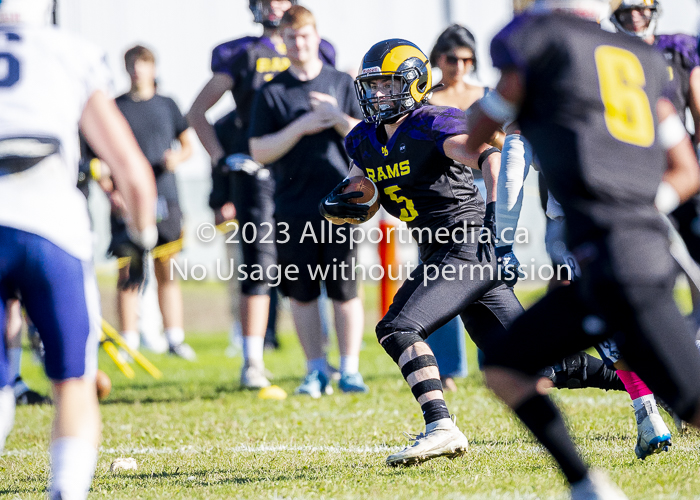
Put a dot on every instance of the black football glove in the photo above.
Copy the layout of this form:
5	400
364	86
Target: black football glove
508	265
138	265
336	204
487	237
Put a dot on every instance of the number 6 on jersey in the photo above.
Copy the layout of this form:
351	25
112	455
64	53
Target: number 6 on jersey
628	115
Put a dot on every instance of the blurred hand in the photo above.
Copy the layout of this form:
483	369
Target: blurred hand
487	237
225	213
509	266
172	158
138	266
116	201
316	122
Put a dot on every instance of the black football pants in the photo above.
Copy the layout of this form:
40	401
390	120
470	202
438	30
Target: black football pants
625	293
449	282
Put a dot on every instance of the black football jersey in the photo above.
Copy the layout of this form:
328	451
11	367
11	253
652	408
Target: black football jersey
589	111
251	62
682	57
416	181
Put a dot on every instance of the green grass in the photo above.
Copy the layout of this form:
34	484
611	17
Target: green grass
195	435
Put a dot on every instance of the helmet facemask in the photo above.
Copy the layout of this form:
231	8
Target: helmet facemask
592	9
625	10
262	13
402	91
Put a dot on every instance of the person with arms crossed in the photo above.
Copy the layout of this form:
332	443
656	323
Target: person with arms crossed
299	121
614	154
45	241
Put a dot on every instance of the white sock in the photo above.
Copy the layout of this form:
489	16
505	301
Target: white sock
175	336
639	402
14	354
7	413
349	364
253	348
132	339
643	406
73	462
318	364
443	423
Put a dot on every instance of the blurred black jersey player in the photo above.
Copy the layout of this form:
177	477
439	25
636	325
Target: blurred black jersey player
614	153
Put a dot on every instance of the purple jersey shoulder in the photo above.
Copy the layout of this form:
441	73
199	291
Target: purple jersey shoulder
685	45
326	52
435	124
503	54
224	55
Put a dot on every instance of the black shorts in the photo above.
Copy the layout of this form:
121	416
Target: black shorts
300	250
255	209
625	293
451	282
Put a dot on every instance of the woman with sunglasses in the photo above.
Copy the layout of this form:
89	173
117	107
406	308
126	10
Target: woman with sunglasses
455	54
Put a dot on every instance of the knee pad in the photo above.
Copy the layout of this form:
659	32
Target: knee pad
397	342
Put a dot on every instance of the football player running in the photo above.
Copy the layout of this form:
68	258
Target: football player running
416	155
56	83
570	86
638	18
579	370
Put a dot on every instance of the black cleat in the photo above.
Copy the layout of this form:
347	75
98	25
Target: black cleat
30	397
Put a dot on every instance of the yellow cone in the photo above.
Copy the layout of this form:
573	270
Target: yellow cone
272	392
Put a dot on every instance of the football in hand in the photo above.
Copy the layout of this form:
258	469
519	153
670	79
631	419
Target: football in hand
370	196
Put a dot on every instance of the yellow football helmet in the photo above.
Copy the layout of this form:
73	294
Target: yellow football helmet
406	71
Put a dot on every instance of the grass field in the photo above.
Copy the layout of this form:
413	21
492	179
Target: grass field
195	435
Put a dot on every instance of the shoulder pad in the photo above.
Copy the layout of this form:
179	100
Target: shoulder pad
229	51
686	46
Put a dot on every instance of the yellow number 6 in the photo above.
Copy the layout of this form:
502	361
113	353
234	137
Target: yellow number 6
407	214
628	115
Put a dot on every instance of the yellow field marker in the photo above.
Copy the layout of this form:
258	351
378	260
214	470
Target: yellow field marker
114	336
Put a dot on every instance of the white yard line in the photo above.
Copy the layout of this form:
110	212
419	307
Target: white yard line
378	449
195	450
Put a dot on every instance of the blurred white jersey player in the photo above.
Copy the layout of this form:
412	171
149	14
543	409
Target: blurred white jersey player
52	83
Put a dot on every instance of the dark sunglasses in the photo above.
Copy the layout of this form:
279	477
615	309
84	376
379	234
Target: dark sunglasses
454	59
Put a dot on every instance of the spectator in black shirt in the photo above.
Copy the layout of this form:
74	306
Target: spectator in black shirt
157	123
298	124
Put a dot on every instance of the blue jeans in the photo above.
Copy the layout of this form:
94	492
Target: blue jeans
450	348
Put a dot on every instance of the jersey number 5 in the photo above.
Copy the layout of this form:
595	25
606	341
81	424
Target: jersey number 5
407	214
10	74
9	64
628	115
